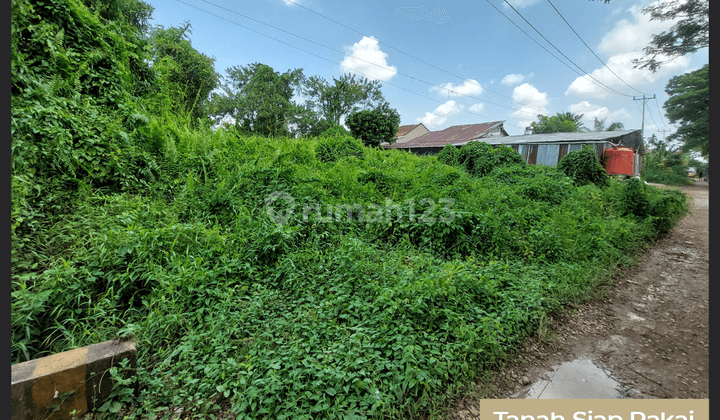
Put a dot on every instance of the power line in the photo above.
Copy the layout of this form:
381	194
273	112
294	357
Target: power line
660	113
533	39
334	62
588	47
653	118
411	56
609	89
358	58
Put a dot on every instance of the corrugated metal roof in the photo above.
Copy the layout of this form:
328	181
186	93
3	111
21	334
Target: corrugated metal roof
455	134
600	137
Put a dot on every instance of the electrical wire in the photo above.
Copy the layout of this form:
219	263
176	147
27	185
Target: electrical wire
357	58
653	118
660	113
599	83
591	50
412	56
334	62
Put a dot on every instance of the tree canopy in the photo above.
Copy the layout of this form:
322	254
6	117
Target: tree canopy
348	94
259	99
600	125
374	126
189	74
689	106
689	34
665	163
566	122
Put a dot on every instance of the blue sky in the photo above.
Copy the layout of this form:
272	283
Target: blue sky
446	64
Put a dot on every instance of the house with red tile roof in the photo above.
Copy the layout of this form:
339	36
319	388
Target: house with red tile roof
433	141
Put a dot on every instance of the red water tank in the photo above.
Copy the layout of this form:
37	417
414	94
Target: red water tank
619	161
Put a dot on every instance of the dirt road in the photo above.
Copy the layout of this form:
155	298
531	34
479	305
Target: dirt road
651	331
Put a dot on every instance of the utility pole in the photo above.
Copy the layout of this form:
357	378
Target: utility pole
644	100
663	131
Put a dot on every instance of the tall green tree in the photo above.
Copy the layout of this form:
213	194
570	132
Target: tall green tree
599	125
665	163
576	118
689	106
560	123
259	99
187	75
348	94
374	126
689	34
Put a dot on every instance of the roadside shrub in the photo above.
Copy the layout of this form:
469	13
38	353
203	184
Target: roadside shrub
583	167
667	208
332	149
634	200
335	130
449	155
505	156
477	157
666	176
546	188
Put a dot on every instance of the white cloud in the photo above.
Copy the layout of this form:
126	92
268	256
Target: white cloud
367	60
590	112
469	87
624	43
512	79
291	2
476	108
622	65
632	35
440	114
535	102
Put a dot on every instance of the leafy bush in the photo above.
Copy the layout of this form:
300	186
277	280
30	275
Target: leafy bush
334	130
634	200
477	158
448	155
665	175
583	167
505	156
332	149
667	209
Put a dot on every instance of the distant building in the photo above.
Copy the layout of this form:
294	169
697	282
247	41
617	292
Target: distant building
545	149
406	133
548	149
433	141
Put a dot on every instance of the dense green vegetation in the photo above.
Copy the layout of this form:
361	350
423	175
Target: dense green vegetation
243	266
341	316
666	164
563	122
688	106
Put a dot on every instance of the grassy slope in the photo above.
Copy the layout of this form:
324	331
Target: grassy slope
315	318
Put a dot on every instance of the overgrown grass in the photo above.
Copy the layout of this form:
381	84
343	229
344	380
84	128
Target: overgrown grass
352	317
